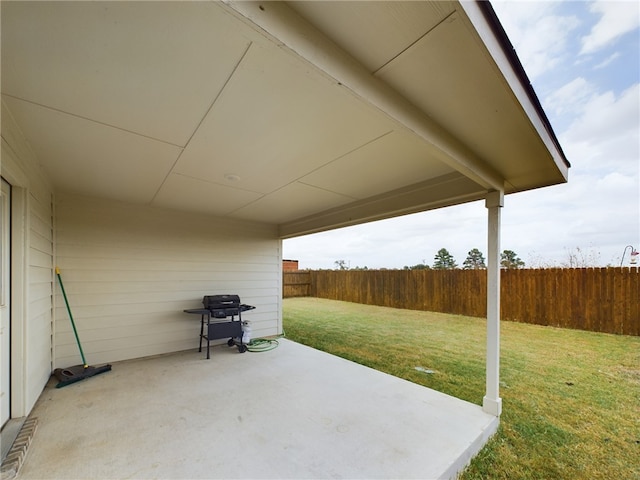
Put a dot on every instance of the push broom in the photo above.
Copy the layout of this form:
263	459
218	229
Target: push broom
67	376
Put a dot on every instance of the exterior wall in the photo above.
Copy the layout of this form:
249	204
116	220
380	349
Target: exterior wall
32	268
129	271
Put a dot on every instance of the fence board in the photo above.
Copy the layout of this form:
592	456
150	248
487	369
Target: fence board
632	326
296	284
596	299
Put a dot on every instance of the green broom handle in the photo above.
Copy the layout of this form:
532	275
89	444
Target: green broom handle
73	324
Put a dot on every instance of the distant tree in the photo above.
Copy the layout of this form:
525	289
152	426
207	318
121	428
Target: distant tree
419	266
341	265
474	261
509	259
444	260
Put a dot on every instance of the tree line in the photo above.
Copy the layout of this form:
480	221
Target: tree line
443	260
475	260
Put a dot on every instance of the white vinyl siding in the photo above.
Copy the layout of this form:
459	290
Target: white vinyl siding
32	268
39	325
130	271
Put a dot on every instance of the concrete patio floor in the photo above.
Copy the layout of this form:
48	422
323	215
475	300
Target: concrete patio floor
292	412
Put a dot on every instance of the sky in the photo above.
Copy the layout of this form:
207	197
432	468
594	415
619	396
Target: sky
583	60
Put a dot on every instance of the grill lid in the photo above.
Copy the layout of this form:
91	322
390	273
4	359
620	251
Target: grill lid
219	302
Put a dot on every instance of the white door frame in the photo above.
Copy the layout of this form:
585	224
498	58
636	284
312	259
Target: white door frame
19	262
5	304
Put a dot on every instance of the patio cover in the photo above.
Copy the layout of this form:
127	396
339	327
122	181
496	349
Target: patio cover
304	115
308	115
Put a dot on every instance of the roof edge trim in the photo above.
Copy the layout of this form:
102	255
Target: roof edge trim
509	51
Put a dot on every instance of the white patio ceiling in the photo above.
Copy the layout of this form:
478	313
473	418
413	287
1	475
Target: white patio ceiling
308	115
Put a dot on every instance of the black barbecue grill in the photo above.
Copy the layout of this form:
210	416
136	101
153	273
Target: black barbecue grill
219	315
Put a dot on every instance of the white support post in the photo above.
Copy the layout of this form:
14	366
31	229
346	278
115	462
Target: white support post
492	403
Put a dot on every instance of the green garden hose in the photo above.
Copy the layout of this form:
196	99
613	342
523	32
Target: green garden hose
262	344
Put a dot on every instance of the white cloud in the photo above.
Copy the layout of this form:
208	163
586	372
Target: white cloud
570	96
607	60
607	131
614	183
538	33
617	18
596	114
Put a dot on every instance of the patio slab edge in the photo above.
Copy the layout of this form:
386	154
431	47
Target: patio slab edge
463	461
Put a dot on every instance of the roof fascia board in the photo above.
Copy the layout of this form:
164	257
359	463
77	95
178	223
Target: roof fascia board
447	190
487	25
283	26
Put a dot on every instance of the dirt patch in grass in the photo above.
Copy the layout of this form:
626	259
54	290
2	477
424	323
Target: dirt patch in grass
630	374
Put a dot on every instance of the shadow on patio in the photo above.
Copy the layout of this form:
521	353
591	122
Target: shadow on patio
292	412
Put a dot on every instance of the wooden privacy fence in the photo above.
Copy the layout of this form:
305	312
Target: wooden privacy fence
595	299
296	284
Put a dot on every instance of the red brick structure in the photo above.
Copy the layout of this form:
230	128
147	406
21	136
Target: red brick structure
289	265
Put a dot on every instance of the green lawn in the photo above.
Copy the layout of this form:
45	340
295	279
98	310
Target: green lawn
571	399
